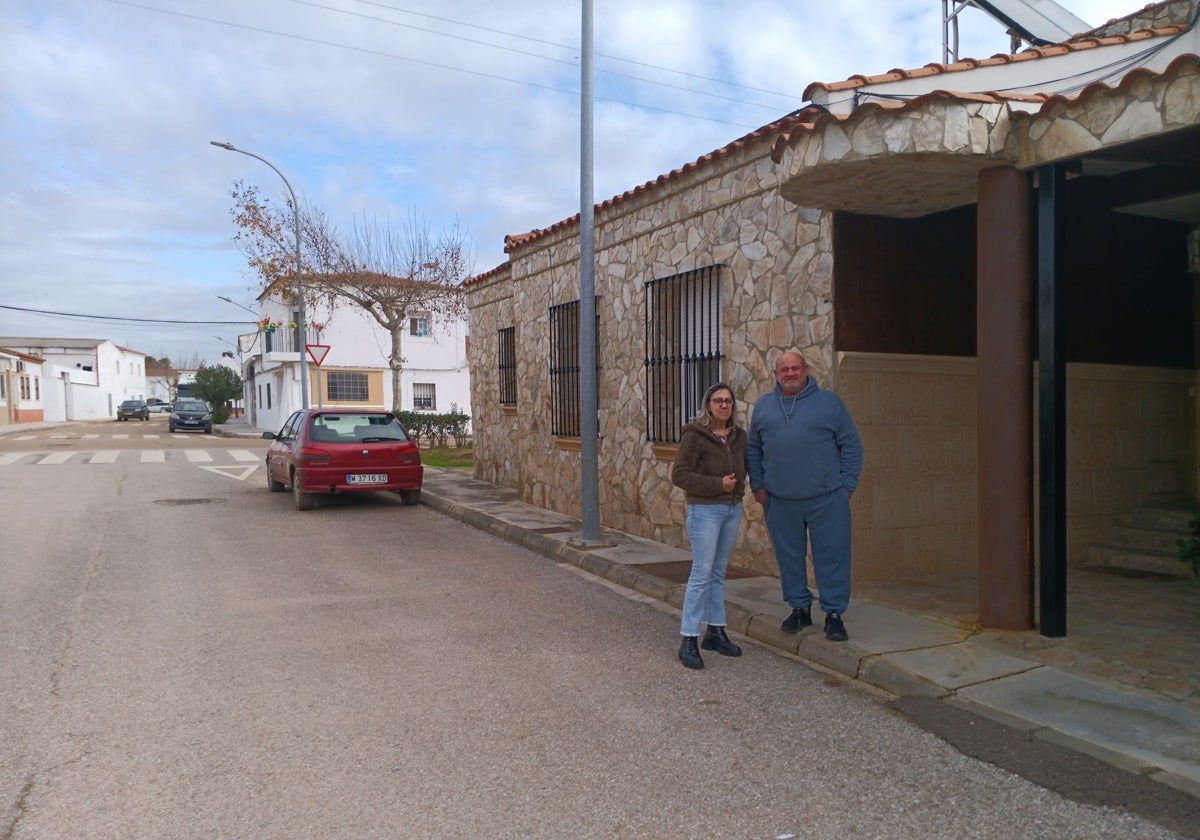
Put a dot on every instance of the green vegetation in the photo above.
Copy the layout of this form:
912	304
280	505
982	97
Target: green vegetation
1189	549
448	457
217	385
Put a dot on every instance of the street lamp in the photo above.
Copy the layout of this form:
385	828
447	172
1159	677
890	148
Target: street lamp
299	282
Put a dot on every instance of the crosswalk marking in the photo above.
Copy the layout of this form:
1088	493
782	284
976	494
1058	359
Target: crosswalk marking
150	437
153	456
56	458
25	437
90	437
198	456
10	458
149	456
105	456
121	437
243	455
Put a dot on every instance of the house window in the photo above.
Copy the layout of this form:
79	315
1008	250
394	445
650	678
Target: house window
3	385
25	390
424	396
346	386
508	366
418	325
683	348
37	388
268	395
565	367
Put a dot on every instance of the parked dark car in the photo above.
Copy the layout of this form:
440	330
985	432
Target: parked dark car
341	450
190	414
133	410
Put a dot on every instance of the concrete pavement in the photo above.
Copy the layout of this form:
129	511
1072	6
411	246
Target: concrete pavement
898	652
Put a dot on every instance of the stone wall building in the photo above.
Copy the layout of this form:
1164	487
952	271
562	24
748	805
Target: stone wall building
900	232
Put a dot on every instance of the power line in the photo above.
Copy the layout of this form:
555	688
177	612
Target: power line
424	63
128	321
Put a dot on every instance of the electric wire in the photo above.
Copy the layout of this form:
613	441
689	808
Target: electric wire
124	320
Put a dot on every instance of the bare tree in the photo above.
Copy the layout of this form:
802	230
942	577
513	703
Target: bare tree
391	272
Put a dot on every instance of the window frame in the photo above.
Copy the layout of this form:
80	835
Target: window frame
684	335
506	365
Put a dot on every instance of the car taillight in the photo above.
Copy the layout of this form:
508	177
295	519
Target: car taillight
410	458
312	455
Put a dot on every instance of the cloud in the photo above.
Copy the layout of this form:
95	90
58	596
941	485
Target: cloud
112	201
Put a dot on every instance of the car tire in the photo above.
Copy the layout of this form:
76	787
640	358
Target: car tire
208	431
273	485
410	497
171	429
304	501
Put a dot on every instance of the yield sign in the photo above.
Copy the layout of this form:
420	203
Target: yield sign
317	352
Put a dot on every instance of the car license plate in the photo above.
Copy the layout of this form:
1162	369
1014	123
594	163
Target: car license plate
369	478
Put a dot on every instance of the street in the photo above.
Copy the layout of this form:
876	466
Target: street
187	656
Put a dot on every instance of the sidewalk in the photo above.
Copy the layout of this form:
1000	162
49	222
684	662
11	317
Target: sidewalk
1018	679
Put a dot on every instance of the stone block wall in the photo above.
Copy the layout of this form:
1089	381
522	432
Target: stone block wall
776	293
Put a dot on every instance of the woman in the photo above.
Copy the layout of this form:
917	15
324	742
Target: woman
710	467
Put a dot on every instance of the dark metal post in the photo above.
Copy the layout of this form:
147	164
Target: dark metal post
1052	613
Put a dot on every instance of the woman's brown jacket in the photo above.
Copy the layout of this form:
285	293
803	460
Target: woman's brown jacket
702	460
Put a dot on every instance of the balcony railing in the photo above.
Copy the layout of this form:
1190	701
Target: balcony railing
286	340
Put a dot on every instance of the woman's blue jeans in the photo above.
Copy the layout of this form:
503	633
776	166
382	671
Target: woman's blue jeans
712	530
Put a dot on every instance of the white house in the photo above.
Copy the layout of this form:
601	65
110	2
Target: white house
21	378
83	378
352	349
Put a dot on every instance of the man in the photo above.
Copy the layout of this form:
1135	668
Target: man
803	458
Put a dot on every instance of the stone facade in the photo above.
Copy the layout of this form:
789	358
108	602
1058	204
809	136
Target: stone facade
748	208
776	293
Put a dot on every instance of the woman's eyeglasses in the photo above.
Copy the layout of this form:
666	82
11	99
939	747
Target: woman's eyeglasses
721	401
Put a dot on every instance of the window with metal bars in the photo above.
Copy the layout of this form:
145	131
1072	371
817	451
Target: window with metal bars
346	386
508	366
424	396
565	367
683	348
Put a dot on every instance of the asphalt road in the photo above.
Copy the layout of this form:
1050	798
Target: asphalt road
187	656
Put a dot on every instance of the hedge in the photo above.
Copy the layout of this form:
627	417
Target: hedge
436	429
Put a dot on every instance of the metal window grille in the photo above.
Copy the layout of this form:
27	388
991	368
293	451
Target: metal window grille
419	325
683	348
346	386
424	396
508	366
564	368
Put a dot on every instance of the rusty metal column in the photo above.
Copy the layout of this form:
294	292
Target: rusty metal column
1004	259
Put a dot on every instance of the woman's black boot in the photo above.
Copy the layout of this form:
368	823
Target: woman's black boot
689	654
716	639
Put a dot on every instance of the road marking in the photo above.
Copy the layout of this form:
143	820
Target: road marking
90	437
150	437
153	456
56	458
237	473
11	458
26	437
243	455
105	456
60	437
120	437
197	455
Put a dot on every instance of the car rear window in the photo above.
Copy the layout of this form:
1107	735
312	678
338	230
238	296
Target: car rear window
356	428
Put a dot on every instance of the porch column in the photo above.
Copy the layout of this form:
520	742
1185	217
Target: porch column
1004	254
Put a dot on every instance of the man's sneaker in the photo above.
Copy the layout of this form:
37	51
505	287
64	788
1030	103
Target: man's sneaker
835	630
800	617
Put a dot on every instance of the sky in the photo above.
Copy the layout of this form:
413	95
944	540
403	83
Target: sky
114	205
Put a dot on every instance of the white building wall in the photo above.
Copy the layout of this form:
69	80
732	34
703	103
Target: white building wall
357	342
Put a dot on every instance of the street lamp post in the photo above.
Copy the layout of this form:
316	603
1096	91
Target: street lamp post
299	280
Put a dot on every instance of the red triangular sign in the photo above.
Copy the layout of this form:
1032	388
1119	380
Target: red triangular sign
317	352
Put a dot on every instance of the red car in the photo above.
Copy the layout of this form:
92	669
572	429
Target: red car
343	450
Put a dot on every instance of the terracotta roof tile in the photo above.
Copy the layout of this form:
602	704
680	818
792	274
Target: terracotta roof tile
1084	43
491	273
768	131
